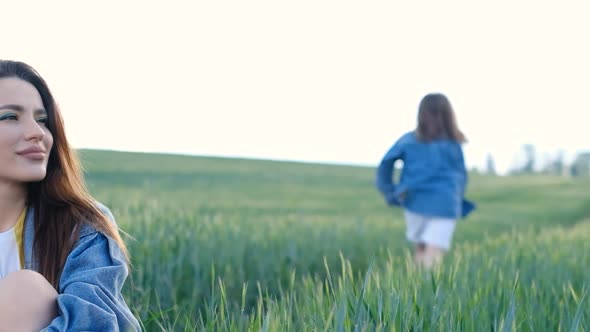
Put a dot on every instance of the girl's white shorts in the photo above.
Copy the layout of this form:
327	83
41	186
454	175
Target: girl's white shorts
429	230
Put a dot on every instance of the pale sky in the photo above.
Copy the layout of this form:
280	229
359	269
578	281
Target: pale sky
327	81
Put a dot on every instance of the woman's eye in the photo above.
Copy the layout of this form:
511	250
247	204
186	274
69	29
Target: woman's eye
9	116
42	120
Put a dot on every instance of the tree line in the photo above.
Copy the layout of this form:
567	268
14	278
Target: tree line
531	163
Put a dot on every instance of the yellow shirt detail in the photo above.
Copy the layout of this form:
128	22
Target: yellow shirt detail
18	234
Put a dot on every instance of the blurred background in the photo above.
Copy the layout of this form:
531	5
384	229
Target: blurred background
320	81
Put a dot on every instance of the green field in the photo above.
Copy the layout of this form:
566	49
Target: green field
245	245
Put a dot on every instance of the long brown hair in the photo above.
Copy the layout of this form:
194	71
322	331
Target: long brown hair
61	201
436	119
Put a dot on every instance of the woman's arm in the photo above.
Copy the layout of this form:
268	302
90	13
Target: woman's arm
90	288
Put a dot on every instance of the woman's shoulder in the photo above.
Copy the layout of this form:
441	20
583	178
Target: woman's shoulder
87	228
105	210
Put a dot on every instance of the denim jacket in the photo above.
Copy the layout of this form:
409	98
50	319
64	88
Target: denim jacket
432	181
89	296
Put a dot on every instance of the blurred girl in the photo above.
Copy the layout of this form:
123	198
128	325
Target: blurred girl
433	179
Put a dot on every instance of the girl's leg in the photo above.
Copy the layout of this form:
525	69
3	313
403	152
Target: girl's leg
27	302
414	227
437	236
433	256
419	254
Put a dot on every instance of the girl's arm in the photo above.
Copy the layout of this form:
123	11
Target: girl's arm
463	168
466	206
384	177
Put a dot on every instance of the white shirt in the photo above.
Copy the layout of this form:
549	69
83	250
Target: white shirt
9	253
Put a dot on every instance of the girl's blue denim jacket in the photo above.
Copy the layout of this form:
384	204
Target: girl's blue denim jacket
89	296
432	181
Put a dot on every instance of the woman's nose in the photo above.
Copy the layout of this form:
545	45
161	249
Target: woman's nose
33	130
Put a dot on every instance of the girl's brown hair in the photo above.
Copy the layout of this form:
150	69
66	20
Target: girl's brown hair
436	120
61	201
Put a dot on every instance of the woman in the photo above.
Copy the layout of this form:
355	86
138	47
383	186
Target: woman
433	179
62	260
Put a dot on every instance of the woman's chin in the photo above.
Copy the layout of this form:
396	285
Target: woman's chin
33	176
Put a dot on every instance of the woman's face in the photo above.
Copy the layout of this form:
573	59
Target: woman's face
25	141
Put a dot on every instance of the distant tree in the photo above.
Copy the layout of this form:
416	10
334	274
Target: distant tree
530	159
558	165
525	161
490	165
546	162
581	165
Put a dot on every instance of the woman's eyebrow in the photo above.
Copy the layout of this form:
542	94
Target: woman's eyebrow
19	108
13	107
